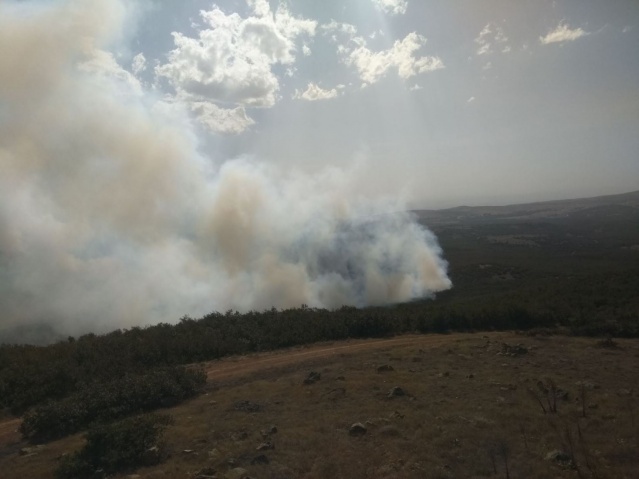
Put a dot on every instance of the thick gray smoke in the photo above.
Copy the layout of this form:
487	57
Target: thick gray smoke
110	217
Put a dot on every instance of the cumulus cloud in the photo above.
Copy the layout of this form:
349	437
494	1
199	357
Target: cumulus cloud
337	29
372	66
231	60
490	39
394	7
110	217
221	120
314	92
139	64
562	33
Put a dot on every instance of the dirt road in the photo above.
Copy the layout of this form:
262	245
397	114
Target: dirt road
236	367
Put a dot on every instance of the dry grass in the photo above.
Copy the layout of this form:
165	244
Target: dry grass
468	412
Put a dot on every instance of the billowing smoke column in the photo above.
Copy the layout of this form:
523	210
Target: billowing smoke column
110	217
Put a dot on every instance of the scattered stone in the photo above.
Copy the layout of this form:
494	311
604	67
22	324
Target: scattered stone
151	455
624	392
237	473
443	375
265	446
239	436
335	393
312	378
513	351
206	473
268	432
247	406
215	455
588	385
396	415
188	451
384	368
261	459
559	457
470	376
357	429
340	378
396	392
29	451
389	431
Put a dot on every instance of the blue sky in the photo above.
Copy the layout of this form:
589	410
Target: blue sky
498	101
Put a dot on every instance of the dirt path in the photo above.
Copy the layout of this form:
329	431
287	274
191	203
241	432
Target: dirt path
236	367
9	433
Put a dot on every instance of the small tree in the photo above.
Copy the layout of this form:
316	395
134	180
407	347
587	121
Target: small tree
116	447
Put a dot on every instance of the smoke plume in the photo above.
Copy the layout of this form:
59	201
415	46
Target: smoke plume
111	215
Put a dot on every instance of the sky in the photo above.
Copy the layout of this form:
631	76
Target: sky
161	159
464	102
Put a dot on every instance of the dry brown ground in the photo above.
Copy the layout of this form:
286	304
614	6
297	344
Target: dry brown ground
467	412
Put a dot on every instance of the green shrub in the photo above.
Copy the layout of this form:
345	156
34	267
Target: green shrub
116	447
132	394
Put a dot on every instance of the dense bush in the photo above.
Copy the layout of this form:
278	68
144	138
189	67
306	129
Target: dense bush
117	447
102	402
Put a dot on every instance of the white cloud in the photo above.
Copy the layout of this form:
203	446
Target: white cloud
394	7
563	33
231	61
471	99
372	66
221	120
416	87
490	38
314	92
336	29
306	51
139	64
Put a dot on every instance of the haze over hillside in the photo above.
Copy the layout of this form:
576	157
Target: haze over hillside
169	158
585	214
601	207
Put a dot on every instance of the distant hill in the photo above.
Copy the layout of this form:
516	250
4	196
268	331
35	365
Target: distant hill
623	205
